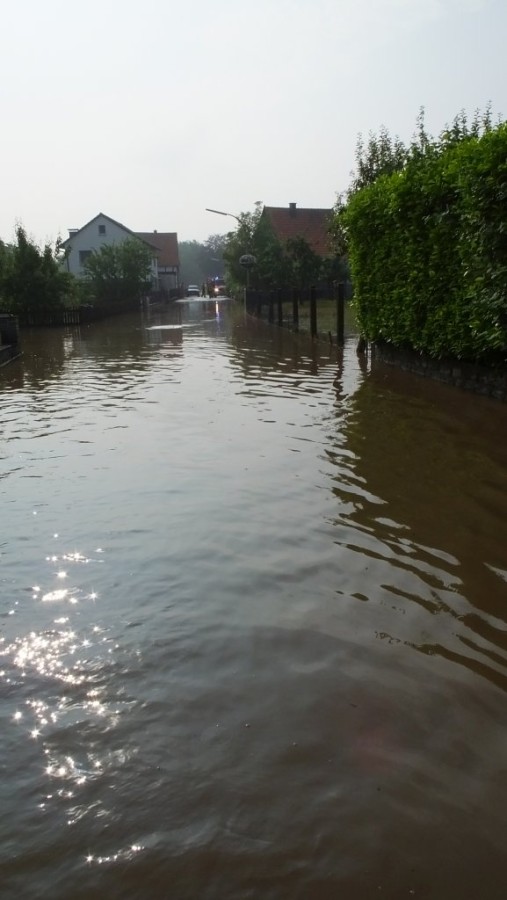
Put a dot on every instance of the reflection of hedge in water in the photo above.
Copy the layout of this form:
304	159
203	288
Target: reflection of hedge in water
435	474
491	381
428	250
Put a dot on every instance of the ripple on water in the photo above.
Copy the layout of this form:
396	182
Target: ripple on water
283	672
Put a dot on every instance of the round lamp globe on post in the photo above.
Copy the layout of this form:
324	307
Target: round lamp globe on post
248	262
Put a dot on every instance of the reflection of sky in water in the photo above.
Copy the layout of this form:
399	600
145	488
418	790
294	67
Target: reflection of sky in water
57	674
244	517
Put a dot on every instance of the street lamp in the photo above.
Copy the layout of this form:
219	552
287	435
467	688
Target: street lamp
247	261
219	212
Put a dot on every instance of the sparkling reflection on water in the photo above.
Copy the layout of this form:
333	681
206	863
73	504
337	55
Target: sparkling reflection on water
253	619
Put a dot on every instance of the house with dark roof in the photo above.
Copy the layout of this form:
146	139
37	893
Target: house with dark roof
103	230
311	224
167	253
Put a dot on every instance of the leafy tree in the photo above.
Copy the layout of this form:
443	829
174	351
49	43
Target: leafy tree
277	264
200	261
305	264
380	155
241	242
119	273
5	264
214	245
33	284
293	263
273	267
335	268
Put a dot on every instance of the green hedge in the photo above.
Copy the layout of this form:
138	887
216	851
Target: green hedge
428	250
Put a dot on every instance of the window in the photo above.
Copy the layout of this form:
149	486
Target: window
102	229
83	256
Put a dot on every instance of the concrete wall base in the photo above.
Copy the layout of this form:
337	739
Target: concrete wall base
490	382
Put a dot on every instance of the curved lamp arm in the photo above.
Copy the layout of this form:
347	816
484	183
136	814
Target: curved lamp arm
219	212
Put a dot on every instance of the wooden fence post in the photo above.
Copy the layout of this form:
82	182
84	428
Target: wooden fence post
271	316
280	307
295	309
340	315
313	311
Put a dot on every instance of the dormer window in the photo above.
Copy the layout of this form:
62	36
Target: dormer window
102	229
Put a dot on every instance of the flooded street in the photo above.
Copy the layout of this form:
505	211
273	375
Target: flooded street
253	619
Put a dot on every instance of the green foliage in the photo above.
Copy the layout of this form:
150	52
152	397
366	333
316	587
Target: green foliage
277	265
381	155
305	265
428	245
239	242
273	268
119	273
33	284
198	262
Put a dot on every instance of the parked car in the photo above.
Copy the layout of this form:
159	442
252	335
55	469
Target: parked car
193	290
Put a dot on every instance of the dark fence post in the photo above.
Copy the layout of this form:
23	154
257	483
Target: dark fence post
295	309
340	315
313	311
9	331
271	313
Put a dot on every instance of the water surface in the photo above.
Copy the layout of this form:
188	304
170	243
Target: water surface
253	619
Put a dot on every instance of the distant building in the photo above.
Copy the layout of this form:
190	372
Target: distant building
168	261
311	224
103	230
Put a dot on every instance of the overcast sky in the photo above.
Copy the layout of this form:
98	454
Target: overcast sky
151	111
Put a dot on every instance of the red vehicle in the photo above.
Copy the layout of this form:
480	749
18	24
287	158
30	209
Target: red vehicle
216	287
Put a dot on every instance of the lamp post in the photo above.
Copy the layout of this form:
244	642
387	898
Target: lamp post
220	212
247	261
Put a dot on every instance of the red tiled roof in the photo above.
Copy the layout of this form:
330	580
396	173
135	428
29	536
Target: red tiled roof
166	242
311	224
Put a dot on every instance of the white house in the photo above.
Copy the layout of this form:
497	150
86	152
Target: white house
103	230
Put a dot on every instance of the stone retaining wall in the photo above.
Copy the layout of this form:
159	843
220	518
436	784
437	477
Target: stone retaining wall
490	382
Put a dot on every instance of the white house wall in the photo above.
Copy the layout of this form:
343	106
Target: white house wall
89	239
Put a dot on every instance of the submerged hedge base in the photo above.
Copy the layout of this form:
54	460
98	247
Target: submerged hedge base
490	382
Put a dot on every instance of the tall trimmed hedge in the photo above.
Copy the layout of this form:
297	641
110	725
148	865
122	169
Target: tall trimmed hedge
428	250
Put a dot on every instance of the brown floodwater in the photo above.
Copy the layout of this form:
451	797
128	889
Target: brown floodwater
253	619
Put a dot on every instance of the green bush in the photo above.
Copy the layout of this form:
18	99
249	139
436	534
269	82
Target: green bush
33	284
118	273
428	248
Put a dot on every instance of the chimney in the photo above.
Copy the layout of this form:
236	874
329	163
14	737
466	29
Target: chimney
292	209
73	231
154	231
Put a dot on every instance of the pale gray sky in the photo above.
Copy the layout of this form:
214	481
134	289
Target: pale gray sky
151	111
